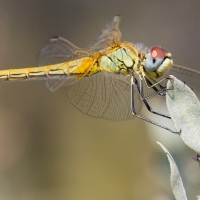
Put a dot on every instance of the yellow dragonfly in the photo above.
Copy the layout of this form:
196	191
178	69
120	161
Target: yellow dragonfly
109	79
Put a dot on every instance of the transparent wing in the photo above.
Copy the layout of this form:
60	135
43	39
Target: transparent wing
189	76
55	82
104	95
74	71
58	50
109	35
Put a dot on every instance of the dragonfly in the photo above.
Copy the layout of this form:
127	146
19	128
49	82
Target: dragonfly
110	78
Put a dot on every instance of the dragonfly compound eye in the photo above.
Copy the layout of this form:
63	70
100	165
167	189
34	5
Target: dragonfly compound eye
154	58
157	52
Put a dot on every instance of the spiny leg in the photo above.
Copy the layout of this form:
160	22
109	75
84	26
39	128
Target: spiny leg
163	89
140	90
141	117
160	92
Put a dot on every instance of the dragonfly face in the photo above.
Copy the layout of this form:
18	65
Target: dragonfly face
157	62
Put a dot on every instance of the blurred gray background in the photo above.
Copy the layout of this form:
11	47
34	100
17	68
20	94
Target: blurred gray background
48	148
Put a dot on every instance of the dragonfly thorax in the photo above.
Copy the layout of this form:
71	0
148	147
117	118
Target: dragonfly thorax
122	59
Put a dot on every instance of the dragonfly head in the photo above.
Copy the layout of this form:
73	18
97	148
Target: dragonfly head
157	62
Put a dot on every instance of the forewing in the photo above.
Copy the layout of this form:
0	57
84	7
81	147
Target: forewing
104	95
189	76
109	35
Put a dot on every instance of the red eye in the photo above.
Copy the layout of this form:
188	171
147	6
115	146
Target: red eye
157	52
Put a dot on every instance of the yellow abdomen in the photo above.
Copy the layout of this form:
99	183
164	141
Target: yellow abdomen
75	68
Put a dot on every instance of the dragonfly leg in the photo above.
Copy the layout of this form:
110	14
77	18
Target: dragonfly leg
144	118
160	92
140	90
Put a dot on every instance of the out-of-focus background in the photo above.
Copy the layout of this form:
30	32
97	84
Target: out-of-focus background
48	148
